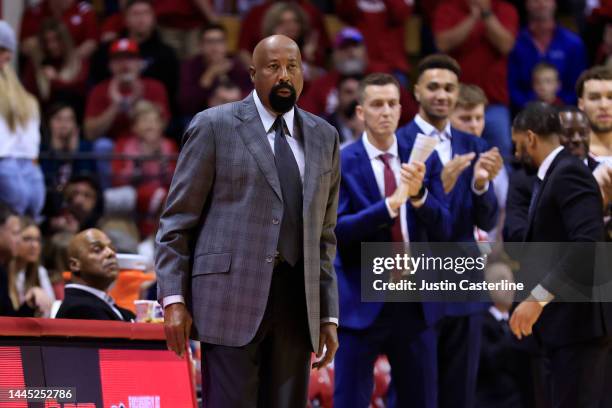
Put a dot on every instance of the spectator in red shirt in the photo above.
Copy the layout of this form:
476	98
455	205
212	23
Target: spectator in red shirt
79	17
252	25
180	21
110	102
58	73
201	74
160	59
350	58
480	34
382	23
154	172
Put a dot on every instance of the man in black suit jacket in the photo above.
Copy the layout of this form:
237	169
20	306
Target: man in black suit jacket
574	136
94	267
566	207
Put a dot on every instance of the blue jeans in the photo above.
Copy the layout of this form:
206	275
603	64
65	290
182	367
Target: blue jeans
22	186
497	131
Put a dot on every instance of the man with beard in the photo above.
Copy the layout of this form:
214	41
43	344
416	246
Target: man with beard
565	207
594	91
472	203
574	136
94	267
246	240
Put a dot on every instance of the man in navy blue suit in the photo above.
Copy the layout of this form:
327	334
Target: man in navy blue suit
469	168
384	199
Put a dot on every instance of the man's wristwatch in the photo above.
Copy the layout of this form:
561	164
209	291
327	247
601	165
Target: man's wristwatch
484	14
419	195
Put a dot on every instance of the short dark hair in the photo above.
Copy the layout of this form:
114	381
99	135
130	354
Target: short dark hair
539	117
5	212
212	26
377	78
471	96
597	72
438	61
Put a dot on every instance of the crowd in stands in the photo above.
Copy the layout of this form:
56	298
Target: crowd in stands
95	96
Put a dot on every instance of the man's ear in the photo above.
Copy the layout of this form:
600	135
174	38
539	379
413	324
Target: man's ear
359	112
252	73
581	104
417	93
75	266
532	139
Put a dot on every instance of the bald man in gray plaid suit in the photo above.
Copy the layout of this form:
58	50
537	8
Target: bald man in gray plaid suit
246	240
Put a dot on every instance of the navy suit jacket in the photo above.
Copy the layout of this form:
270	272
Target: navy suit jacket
363	217
467	209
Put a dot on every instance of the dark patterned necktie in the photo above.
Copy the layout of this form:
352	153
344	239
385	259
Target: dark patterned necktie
290	240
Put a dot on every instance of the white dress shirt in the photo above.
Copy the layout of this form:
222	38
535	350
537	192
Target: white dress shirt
268	119
378	167
98	293
444	146
539	293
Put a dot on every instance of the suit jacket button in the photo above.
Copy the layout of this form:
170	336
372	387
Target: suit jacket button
275	221
269	258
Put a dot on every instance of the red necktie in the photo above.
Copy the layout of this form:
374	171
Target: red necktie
390	186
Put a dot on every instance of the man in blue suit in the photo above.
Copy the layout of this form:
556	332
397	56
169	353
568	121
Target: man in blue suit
384	199
469	168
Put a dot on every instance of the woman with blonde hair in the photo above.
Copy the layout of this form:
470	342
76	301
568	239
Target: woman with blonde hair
21	180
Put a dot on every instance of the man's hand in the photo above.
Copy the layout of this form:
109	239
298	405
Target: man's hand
329	339
524	317
453	169
487	167
411	180
177	326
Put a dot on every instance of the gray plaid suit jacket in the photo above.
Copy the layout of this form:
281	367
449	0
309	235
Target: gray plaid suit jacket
219	229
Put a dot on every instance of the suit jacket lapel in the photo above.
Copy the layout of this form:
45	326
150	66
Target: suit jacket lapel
255	139
312	155
542	186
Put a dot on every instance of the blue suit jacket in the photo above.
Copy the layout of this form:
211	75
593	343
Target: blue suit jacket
363	217
467	208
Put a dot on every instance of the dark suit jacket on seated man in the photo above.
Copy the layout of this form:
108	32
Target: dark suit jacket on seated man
94	268
246	241
383	198
566	207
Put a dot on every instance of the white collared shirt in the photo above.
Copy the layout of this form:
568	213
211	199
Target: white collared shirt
444	146
98	293
378	167
268	119
545	165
